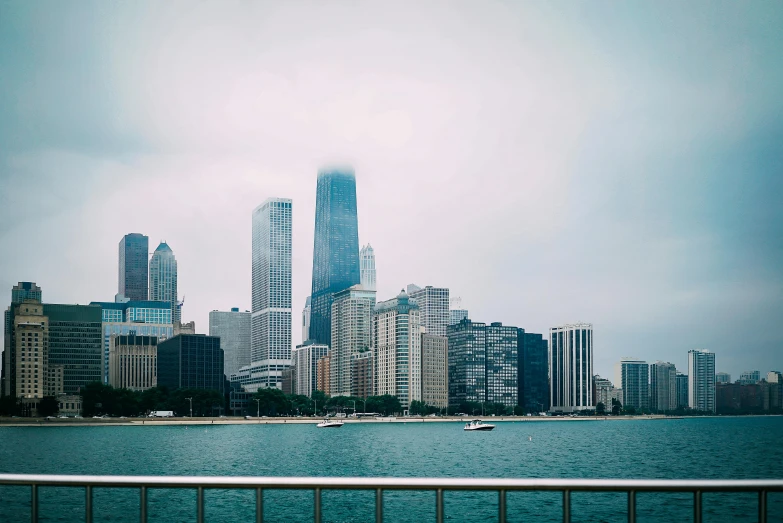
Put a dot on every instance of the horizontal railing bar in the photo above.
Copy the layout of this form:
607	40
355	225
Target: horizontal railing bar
371	483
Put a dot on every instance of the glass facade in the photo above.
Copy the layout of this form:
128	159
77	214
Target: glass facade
163	278
75	341
571	367
467	362
633	378
191	361
233	329
701	380
533	372
335	249
133	269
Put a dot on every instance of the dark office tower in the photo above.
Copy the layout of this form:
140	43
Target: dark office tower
533	372
336	247
76	343
191	361
134	265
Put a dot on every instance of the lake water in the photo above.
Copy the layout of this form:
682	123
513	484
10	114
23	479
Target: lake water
708	448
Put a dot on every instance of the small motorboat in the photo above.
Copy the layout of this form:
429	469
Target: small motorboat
330	424
477	424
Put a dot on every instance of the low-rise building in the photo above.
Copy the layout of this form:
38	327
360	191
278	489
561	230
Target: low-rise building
191	361
133	362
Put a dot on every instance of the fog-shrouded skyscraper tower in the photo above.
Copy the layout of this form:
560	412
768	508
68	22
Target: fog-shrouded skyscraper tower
367	266
336	247
134	265
270	321
163	278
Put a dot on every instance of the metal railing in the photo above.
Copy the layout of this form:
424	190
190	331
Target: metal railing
379	485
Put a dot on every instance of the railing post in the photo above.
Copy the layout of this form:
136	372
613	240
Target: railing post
317	506
501	506
143	504
34	503
566	506
697	506
439	505
378	505
259	505
762	506
631	506
88	504
200	504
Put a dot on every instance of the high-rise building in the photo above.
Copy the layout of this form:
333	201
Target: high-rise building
191	361
456	312
270	324
163	279
76	342
133	362
663	387
435	370
367	267
335	249
396	328
571	368
533	372
233	329
305	357
722	377
134	266
749	377
682	391
352	311
603	392
306	321
701	380
433	305
24	290
361	374
633	376
34	376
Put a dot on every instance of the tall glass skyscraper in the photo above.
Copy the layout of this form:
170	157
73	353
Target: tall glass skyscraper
163	278
134	264
336	247
701	380
571	368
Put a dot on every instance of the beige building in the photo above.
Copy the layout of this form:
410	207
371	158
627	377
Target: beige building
396	333
361	374
351	334
133	361
434	370
322	377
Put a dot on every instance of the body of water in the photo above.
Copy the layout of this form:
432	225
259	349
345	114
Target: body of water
696	448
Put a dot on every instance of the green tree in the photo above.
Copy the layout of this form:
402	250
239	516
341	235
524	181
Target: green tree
616	407
417	408
600	409
272	402
386	404
48	406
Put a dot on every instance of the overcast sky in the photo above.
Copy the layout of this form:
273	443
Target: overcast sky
613	163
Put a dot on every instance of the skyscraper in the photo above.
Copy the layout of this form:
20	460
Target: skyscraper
435	370
335	249
367	267
305	359
533	372
701	380
352	311
663	386
396	333
133	267
233	329
306	321
456	312
76	342
571	367
682	390
633	377
163	278
26	290
270	323
433	305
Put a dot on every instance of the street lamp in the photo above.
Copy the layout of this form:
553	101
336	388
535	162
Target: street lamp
258	403
354	407
191	406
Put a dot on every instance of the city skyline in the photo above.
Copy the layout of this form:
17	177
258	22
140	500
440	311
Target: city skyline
665	189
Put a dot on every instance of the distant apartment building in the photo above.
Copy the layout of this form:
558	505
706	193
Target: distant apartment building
323	375
133	362
233	329
305	358
571	368
163	279
633	376
133	267
351	317
682	390
433	305
434	370
19	293
603	392
288	385
722	377
456	312
191	361
367	267
701	380
362	369
775	381
396	328
738	398
663	387
749	377
31	364
533	368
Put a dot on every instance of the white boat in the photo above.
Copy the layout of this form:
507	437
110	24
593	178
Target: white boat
330	424
477	424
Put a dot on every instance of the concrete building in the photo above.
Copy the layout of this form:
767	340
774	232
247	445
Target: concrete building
306	321
663	387
633	376
288	383
323	375
163	279
571	368
31	361
270	324
191	361
533	368
701	380
682	390
335	249
233	329
133	267
24	290
184	328
396	328
305	358
435	370
361	374
352	311
749	377
367	267
133	362
433	305
603	392
722	377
